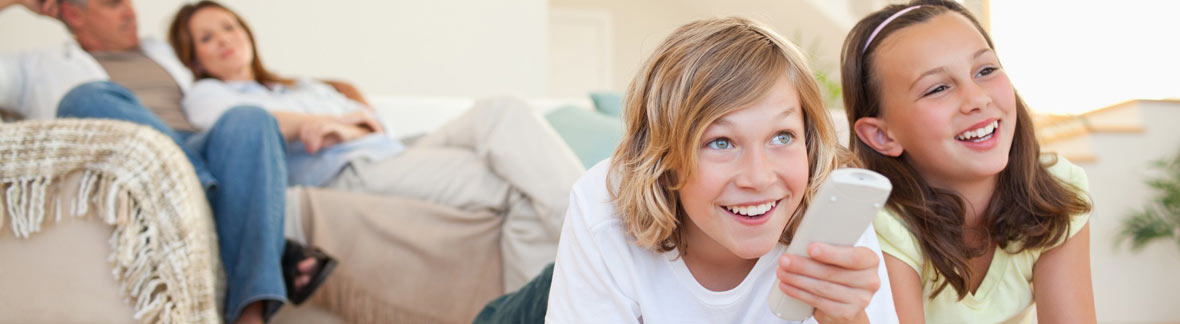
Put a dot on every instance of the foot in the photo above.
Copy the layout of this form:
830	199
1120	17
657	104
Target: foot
306	269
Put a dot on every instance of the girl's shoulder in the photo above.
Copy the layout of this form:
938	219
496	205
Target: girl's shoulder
1074	175
897	240
1063	169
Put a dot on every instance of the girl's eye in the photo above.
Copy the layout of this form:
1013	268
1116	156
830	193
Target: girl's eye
986	71
206	38
783	138
937	89
720	144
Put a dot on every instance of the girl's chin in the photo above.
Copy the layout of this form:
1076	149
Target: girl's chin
993	167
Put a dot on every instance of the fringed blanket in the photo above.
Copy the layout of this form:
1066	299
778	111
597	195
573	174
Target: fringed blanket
164	248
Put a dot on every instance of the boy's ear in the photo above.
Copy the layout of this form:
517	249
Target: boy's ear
874	132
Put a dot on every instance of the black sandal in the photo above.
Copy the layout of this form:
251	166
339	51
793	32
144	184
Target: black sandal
293	254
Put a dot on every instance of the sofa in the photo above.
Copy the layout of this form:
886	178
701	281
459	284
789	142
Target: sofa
106	183
104	221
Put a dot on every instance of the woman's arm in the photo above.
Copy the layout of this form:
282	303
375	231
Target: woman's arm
316	131
907	291
350	92
208	99
1064	292
290	123
362	118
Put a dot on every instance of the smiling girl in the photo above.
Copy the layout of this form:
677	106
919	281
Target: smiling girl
978	216
687	223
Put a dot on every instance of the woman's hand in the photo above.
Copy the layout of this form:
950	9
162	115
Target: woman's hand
363	119
321	133
839	281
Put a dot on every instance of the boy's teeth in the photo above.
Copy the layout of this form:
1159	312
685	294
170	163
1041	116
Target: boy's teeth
752	210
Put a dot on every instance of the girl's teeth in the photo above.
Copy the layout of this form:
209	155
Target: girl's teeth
978	133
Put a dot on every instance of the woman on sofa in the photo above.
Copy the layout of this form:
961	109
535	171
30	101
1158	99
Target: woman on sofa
499	156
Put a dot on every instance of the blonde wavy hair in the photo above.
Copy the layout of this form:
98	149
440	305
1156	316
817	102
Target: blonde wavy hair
704	70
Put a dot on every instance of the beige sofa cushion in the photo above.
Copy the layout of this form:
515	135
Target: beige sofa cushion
401	260
61	275
126	175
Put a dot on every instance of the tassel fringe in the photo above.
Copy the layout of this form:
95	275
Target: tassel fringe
164	251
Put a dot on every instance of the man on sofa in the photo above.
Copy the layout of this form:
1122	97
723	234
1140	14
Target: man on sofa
109	72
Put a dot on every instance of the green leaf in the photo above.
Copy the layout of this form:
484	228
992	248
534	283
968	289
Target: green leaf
1160	217
1144	227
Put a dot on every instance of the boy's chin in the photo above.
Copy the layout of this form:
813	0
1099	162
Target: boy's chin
754	250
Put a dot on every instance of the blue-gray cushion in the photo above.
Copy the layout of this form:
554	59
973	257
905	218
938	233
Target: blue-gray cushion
592	136
609	103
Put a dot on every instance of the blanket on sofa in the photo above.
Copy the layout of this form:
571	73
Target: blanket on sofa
164	250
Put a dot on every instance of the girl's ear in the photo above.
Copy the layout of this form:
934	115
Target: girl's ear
873	132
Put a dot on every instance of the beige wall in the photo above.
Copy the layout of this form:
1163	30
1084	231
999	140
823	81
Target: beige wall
640	25
636	27
442	47
580	51
1132	287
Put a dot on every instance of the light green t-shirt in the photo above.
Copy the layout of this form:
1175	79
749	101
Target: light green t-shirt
1006	293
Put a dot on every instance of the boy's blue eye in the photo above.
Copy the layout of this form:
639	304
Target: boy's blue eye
720	144
783	138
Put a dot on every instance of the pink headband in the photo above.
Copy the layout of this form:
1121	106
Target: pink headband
882	25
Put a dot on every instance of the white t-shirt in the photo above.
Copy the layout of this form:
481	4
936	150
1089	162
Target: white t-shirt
33	82
601	277
209	98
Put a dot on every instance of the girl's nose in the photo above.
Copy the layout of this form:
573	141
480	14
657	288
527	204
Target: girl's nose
975	98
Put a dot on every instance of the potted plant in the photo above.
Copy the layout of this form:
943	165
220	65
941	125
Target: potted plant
1160	218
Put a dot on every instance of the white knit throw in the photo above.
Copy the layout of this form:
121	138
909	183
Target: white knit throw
164	249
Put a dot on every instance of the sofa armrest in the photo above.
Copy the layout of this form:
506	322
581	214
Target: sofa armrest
164	249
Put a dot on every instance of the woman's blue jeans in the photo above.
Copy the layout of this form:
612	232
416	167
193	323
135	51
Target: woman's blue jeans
241	164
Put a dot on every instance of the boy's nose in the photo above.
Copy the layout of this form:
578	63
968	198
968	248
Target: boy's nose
756	172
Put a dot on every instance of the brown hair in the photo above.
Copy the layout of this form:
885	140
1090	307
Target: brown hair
181	38
1030	208
704	70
